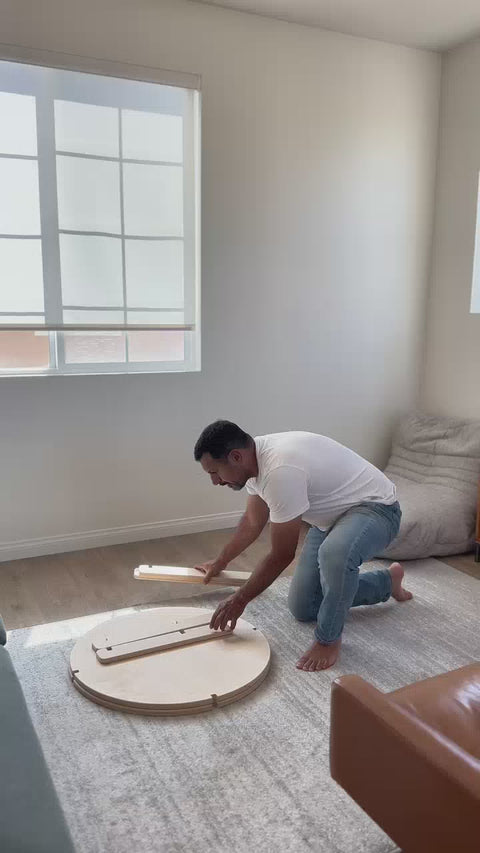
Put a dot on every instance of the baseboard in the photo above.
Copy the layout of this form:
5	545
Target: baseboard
115	536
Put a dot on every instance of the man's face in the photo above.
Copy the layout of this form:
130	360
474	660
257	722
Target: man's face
226	472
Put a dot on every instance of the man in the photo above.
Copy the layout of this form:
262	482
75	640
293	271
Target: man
350	505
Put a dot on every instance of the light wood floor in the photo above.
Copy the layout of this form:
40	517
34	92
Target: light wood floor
464	563
63	586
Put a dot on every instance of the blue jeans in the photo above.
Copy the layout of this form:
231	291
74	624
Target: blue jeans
327	581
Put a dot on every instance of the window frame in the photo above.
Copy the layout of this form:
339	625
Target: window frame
474	307
49	220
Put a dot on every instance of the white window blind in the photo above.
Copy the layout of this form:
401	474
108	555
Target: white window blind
99	199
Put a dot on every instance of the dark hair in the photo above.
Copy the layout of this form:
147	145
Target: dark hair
219	438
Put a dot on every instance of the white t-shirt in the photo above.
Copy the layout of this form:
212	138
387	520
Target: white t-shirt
308	475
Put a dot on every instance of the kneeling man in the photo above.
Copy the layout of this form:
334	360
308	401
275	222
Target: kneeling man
350	505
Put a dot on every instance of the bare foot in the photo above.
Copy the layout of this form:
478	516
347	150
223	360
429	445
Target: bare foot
319	656
398	592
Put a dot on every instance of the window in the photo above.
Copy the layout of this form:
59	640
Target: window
475	303
99	222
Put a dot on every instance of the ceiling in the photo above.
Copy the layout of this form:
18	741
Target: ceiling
431	24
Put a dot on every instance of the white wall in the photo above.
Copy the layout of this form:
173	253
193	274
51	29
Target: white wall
452	380
318	174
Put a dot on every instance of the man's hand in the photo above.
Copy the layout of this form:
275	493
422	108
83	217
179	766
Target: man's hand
228	611
211	569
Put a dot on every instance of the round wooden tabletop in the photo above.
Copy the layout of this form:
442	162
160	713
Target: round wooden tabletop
182	680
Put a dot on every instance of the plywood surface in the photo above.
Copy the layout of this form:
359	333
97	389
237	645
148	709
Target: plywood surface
180	679
184	636
182	574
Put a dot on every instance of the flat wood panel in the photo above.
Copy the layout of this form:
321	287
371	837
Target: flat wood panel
160	644
183	574
203	674
114	633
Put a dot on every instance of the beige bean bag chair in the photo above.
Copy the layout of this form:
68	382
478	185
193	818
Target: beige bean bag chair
435	465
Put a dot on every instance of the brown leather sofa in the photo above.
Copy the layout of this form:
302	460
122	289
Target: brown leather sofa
411	758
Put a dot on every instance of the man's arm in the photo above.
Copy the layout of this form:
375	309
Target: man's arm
284	541
249	528
283	547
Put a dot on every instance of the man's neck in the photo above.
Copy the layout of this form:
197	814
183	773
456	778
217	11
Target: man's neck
253	472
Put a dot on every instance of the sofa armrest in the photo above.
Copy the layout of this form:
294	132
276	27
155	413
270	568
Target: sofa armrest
420	787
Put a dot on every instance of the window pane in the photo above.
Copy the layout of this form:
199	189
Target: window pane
91	270
86	128
24	350
15	319
153	199
18	124
156	346
158	318
21	275
88	195
19	197
94	348
152	136
154	273
88	317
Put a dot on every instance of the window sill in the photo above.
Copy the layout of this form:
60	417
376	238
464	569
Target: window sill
143	372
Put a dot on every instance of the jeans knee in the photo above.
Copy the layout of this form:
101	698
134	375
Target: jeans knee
299	616
333	558
301	613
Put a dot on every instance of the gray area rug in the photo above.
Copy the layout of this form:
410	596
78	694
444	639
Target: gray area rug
251	776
